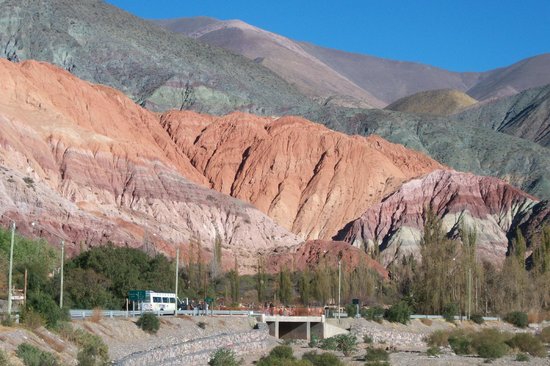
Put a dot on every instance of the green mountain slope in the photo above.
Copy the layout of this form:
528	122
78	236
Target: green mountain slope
156	68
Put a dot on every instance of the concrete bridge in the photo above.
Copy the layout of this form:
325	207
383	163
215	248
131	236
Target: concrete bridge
300	327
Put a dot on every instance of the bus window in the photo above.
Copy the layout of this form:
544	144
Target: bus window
157	299
165	300
172	300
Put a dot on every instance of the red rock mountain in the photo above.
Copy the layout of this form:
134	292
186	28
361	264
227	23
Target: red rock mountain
309	179
91	166
489	205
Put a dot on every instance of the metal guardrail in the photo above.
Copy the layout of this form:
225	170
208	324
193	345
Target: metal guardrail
83	314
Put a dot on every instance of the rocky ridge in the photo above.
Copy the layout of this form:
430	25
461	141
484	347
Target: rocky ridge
309	179
487	205
90	166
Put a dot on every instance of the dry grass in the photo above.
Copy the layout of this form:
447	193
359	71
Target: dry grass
185	317
96	315
538	316
427	322
52	342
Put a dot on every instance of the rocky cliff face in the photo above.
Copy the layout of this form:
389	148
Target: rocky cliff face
487	205
89	165
309	179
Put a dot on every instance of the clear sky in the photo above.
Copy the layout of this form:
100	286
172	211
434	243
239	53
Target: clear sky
459	35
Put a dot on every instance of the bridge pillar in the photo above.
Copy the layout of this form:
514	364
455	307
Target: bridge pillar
308	331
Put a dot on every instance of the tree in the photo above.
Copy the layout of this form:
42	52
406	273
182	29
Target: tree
284	286
304	285
234	283
217	258
261	280
439	275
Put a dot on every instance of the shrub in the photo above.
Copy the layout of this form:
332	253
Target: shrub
284	352
201	325
93	351
281	356
377	354
223	357
426	321
477	318
367	339
449	312
323	359
489	343
149	322
433	351
4	359
32	356
526	342
461	343
43	304
522	357
375	313
345	343
399	313
517	318
545	335
351	310
32	319
314	341
439	338
328	344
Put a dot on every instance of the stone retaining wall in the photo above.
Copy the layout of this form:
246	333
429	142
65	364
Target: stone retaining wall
198	351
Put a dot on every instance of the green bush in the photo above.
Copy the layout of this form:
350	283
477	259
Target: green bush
522	357
351	310
41	303
439	338
526	342
223	357
477	318
490	343
375	313
328	344
282	356
201	325
149	322
314	341
345	343
450	311
323	359
399	313
517	318
32	356
93	351
545	335
367	339
284	352
377	354
461	343
433	351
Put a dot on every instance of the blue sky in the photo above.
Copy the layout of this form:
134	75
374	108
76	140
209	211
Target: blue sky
459	35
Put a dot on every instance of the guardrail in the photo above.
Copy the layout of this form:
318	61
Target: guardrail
83	314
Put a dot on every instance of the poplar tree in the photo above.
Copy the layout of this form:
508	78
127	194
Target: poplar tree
284	286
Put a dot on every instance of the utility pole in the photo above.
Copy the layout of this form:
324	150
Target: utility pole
469	291
62	263
339	283
10	293
177	268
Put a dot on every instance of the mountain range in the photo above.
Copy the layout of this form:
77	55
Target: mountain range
130	133
329	73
